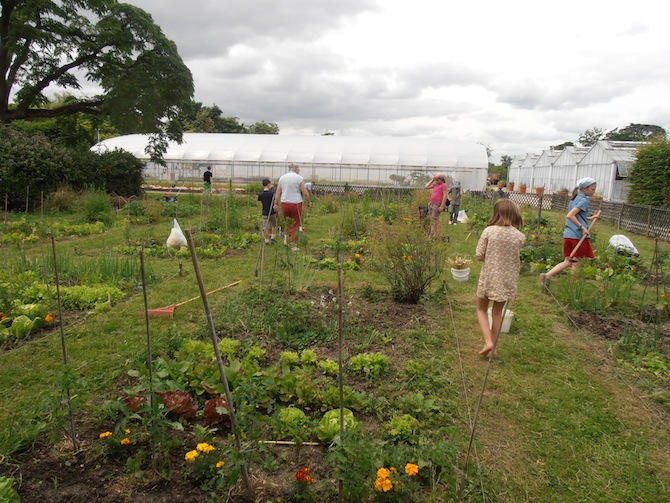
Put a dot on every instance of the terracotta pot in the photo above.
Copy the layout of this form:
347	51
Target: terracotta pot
539	190
510	187
522	189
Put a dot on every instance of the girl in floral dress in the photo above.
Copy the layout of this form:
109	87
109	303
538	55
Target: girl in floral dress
498	247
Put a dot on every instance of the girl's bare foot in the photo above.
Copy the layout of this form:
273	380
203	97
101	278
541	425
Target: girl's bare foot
486	350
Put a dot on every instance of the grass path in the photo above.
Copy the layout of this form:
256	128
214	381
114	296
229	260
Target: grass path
559	421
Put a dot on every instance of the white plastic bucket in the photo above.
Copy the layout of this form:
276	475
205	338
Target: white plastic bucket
507	320
460	274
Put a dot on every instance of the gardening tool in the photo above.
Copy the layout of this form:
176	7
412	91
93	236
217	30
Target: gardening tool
168	311
579	243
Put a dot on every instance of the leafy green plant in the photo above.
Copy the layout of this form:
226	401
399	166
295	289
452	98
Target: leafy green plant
293	424
289	358
402	427
308	357
329	367
371	364
7	492
329	427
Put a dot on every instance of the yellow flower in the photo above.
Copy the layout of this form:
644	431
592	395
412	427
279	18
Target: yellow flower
383	484
127	430
205	447
48	318
393	470
105	434
125	441
219	464
357	255
191	455
411	469
383	473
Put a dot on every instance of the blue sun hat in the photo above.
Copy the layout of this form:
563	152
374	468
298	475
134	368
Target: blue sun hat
585	182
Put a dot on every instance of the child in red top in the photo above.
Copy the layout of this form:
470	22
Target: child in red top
438	201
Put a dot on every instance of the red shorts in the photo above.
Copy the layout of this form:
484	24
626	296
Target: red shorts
584	250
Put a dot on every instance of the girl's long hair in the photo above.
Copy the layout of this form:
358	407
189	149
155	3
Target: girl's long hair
506	213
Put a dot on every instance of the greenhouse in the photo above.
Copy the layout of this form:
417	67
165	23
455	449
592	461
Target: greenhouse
608	162
341	159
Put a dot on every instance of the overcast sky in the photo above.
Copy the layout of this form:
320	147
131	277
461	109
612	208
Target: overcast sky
515	75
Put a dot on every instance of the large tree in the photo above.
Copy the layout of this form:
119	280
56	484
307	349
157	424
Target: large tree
590	137
637	132
143	82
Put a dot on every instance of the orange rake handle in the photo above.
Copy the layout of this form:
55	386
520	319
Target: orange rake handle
208	293
579	243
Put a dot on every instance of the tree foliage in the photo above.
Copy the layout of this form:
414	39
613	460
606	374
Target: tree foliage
637	132
590	137
561	146
144	84
204	119
31	165
650	175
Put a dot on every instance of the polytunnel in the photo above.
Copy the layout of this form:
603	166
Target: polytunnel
371	160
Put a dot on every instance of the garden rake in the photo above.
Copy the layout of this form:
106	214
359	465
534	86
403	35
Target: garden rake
168	311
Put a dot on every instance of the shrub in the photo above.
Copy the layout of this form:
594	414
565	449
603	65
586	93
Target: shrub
98	208
405	257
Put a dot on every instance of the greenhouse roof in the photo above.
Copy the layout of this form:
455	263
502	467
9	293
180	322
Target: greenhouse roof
347	150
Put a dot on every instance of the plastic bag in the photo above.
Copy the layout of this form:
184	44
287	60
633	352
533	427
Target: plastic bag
463	217
176	238
623	245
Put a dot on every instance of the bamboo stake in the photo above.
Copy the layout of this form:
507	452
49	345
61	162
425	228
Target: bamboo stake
62	341
148	330
219	361
340	376
479	401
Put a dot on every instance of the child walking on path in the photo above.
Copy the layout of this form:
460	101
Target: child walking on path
576	227
498	247
269	214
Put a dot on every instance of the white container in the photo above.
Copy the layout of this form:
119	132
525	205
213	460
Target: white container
507	320
461	274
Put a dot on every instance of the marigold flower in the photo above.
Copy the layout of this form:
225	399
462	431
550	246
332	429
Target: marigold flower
411	469
383	473
127	430
48	318
664	296
393	470
105	434
302	475
357	255
125	441
191	456
383	484
205	447
219	464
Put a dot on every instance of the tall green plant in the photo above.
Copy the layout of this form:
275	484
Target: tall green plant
406	257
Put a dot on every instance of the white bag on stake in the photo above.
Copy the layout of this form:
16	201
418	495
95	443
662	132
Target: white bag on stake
463	217
176	238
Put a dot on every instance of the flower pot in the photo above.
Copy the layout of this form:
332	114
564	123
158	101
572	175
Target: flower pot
461	274
510	187
507	320
522	189
539	190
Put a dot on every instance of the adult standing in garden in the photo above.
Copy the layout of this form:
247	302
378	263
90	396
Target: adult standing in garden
455	194
207	180
290	192
438	201
576	235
